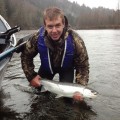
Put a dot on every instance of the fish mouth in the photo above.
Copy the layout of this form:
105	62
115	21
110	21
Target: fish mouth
93	96
95	93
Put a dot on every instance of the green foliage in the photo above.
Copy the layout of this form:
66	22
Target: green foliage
28	14
2	8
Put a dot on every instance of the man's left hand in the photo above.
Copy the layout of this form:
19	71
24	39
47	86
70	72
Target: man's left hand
78	96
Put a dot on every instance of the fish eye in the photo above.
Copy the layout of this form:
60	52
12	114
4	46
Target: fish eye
92	91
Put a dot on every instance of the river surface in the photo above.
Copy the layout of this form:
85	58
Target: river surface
103	48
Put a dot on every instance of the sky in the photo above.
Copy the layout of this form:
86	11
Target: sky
111	4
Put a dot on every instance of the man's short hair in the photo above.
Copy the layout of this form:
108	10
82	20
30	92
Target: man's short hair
52	13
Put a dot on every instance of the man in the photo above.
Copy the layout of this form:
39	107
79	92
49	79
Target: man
61	51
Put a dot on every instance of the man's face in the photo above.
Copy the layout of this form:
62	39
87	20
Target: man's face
54	27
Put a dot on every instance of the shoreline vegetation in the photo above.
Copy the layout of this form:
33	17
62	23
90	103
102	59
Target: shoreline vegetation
28	14
100	27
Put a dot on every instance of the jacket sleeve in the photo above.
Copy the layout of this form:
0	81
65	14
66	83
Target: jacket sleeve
81	62
27	55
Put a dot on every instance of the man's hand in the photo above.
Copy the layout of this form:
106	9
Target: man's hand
78	96
35	82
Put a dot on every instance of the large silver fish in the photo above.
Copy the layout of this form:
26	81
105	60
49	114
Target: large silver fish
61	89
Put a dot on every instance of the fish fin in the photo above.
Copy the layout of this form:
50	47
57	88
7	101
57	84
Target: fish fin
58	96
43	89
24	88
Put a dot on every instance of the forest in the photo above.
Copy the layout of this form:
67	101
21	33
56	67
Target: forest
28	14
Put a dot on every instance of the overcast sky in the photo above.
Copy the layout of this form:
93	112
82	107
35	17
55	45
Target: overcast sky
111	4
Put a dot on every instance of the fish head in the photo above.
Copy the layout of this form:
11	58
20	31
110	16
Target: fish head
88	93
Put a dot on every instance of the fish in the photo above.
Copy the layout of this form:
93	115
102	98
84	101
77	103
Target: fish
61	89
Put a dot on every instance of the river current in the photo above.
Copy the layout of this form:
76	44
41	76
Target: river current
103	48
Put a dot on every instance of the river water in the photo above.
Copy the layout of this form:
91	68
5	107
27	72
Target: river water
103	48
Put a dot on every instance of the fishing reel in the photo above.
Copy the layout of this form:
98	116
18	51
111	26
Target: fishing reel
9	37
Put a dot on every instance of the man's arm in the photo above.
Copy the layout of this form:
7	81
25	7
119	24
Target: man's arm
81	62
27	55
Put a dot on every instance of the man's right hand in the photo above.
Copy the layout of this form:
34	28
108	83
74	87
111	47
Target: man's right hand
35	82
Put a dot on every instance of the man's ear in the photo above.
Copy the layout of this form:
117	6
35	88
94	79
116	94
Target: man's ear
45	29
44	26
66	21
